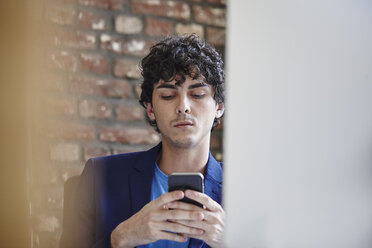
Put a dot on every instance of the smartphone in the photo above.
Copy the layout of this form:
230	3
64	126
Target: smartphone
186	180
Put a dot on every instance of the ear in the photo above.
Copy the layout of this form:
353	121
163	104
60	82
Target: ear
150	111
220	110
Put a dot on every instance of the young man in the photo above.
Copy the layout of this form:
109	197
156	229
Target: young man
122	200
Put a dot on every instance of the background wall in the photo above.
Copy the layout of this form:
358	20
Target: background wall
85	101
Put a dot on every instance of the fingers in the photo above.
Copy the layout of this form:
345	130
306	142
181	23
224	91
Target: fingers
210	218
212	233
168	197
172	236
181	229
203	199
195	224
176	215
174	231
183	205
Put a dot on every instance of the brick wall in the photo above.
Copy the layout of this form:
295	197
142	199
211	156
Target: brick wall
86	103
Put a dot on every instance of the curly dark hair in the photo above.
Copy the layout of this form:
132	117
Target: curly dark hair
182	56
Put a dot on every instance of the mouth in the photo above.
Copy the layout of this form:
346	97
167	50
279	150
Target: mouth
183	124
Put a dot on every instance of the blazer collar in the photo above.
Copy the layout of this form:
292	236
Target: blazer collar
213	180
147	159
214	169
140	180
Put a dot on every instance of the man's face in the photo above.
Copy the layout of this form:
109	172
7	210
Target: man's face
184	112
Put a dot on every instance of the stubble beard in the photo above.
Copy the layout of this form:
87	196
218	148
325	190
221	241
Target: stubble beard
183	144
180	142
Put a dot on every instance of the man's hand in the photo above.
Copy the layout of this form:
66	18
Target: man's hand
152	223
213	223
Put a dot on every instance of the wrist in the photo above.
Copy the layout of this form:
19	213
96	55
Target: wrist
117	240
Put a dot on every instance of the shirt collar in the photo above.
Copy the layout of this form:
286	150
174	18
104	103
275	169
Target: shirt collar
213	170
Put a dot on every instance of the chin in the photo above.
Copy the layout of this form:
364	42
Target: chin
185	143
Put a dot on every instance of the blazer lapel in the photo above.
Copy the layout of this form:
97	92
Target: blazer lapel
212	187
213	180
140	179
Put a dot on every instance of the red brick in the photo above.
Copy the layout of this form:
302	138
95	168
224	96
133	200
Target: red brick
71	131
130	113
69	171
62	15
62	60
65	152
137	47
138	90
211	16
59	105
93	63
92	20
173	9
100	87
112	43
116	44
71	39
128	25
126	68
220	126
94	109
155	27
216	36
93	152
215	142
182	29
129	135
105	4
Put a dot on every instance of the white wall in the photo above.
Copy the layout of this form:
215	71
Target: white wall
298	140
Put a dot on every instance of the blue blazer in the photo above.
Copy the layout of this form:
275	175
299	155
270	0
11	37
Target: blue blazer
111	189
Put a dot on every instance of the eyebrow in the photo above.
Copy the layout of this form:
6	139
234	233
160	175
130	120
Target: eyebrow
173	86
197	85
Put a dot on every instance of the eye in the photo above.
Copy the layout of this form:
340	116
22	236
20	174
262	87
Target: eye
167	97
198	96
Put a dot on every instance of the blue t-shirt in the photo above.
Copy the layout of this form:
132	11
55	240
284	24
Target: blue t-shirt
160	186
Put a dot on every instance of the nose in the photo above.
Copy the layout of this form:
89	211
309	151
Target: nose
183	105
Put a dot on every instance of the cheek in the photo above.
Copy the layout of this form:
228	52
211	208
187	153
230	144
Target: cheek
208	112
161	113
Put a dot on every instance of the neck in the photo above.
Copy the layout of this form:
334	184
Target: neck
175	159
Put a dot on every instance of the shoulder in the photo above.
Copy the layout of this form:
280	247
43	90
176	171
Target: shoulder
115	162
124	162
117	159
